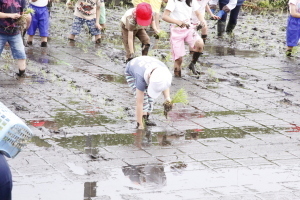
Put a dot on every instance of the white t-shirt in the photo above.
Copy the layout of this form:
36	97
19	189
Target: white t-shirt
181	11
201	9
39	3
296	3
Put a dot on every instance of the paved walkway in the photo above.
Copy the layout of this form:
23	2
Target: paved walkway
238	138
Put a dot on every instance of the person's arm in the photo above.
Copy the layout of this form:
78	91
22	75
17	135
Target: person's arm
200	18
166	17
98	26
9	15
153	25
130	42
139	108
28	21
230	6
207	8
293	11
166	94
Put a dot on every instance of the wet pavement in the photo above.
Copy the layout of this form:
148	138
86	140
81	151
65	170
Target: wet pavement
238	138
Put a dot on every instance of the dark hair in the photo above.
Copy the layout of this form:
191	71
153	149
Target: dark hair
188	2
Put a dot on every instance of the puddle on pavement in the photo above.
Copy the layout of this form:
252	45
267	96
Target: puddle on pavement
68	119
76	169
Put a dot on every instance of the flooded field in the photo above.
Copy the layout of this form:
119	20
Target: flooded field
237	138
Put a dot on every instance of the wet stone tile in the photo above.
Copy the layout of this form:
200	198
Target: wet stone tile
214	164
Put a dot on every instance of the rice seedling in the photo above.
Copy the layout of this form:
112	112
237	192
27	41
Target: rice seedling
180	96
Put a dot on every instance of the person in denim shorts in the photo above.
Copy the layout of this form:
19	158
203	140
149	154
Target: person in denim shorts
293	26
86	12
40	20
10	11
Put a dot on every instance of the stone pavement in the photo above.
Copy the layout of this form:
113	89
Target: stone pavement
238	138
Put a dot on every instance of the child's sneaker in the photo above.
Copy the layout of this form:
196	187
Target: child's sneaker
29	43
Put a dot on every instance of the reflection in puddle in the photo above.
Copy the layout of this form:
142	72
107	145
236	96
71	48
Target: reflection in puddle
90	190
146	175
69	119
224	51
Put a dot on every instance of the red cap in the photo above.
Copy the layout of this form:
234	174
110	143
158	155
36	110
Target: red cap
143	14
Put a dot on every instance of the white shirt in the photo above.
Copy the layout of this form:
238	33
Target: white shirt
181	11
40	3
296	3
201	9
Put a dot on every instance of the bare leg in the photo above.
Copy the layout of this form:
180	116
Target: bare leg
177	67
43	39
71	36
21	64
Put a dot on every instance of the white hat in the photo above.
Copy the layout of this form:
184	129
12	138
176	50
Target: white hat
160	80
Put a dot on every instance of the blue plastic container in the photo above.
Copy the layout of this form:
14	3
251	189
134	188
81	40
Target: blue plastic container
13	132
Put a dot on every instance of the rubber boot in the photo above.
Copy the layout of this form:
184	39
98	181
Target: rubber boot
147	121
230	27
145	49
44	44
196	55
221	27
21	73
177	72
204	37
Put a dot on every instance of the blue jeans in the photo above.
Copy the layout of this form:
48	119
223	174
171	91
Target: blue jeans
16	45
5	179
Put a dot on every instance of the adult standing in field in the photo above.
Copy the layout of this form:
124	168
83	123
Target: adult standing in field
148	77
293	26
232	6
5	179
86	11
10	12
155	5
179	14
133	24
40	20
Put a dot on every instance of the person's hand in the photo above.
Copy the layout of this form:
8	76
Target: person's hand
98	26
202	24
198	27
215	17
15	16
226	9
181	24
168	106
131	56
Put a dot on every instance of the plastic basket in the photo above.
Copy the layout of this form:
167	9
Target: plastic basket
13	132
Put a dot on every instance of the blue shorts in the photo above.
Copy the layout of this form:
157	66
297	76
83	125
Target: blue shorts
15	43
292	31
40	20
5	180
78	23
